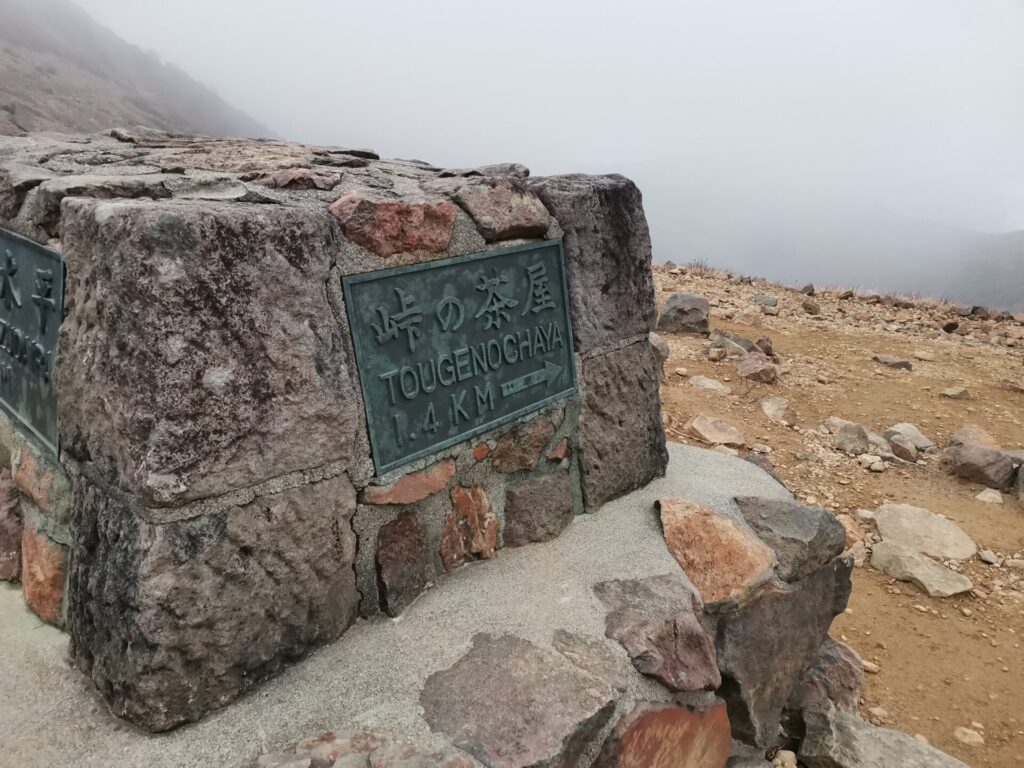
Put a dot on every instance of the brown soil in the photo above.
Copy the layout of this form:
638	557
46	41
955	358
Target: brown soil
943	663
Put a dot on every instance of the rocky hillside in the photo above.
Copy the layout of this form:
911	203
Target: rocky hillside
61	71
904	418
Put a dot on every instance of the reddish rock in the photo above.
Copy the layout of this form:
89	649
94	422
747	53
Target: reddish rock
537	509
661	736
471	530
757	367
513	705
481	451
504	208
390	227
657	621
413	487
40	480
403	563
42	574
10	529
561	451
973	434
721	559
521	448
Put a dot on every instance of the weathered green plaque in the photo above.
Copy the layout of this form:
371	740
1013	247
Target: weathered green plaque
31	309
449	349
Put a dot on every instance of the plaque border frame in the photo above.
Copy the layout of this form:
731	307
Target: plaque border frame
347	281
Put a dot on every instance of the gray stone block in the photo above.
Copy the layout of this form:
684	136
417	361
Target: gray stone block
172	620
621	436
607	255
200	353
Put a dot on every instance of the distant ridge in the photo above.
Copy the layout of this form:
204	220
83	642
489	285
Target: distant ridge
62	71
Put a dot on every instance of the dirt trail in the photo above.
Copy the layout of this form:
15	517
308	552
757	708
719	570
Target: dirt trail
943	663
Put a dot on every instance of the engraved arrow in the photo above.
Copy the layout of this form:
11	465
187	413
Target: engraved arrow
545	375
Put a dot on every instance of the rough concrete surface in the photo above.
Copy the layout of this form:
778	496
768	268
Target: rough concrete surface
372	676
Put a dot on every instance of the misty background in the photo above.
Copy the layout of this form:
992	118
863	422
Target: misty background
871	143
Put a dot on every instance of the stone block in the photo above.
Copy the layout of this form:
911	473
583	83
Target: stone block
537	509
657	620
176	619
200	353
511	704
521	448
10	528
607	255
412	487
767	645
503	208
390	227
404	565
41	480
471	529
43	568
621	436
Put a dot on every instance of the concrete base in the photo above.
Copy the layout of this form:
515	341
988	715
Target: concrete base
371	677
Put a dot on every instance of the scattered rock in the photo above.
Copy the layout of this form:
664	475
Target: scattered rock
733	344
538	509
903	447
664	736
922	531
714	431
765	301
837	739
767	348
911	432
808	290
990	496
905	565
703	382
979	464
969	736
811	307
894	362
511	704
657	621
685	313
956	393
924	355
852	439
716	354
757	367
681	372
721	559
404	566
779	411
804	538
988	556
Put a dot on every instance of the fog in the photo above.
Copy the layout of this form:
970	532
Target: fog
869	142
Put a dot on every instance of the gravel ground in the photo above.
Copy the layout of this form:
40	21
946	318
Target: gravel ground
372	676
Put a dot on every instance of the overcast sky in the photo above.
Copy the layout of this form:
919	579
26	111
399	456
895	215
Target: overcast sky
743	121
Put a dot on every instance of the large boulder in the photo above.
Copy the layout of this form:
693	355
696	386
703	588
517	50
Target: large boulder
767	645
172	620
621	436
837	739
804	538
511	704
607	253
685	313
198	357
919	530
979	464
912	433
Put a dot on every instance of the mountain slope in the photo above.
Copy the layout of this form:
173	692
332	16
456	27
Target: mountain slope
61	71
